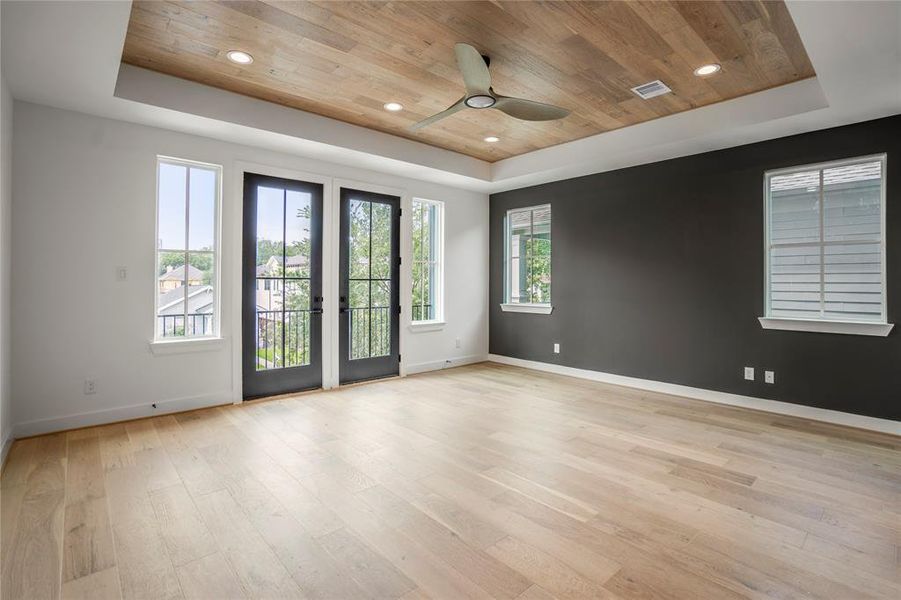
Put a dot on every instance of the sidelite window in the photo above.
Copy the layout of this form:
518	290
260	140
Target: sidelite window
825	249
427	224
528	259
186	249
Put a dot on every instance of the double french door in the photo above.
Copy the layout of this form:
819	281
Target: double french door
282	314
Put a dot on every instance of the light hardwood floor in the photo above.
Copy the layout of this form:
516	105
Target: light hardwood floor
482	481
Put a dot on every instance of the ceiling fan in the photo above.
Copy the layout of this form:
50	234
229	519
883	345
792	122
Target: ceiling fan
479	95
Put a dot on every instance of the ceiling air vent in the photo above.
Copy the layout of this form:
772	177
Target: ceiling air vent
649	90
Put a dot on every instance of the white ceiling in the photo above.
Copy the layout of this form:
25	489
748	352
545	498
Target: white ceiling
66	55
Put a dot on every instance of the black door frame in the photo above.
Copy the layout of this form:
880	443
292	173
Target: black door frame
363	369
288	379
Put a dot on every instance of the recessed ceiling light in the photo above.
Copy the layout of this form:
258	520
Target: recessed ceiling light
707	70
394	106
239	57
492	139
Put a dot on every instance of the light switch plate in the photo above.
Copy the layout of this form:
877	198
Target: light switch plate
769	376
749	373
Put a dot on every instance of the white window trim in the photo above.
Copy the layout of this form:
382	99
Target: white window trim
824	326
186	345
425	326
438	322
522	307
542	308
874	328
194	343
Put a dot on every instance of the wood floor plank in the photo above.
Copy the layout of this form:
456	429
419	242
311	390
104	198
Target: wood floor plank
88	539
484	481
100	585
209	577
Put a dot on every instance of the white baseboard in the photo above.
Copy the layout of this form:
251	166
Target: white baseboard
121	413
5	445
445	364
774	406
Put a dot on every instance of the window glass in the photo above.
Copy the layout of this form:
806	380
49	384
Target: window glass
825	241
186	290
529	255
427	223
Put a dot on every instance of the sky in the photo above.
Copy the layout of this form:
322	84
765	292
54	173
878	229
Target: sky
270	210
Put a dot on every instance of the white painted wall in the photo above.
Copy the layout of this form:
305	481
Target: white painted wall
6	132
83	204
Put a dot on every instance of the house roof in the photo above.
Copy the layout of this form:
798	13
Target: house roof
178	274
200	300
297	260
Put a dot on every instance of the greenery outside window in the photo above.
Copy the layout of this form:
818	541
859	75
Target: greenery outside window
187	282
528	260
427	224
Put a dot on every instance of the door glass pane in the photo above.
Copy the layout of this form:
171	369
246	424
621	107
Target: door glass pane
358	244
171	228
381	241
359	318
381	318
298	212
283	291
369	287
270	231
297	322
269	340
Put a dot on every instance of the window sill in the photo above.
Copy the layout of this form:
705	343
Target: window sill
185	346
538	309
424	326
842	327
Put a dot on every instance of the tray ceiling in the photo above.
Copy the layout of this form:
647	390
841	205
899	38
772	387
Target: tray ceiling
345	60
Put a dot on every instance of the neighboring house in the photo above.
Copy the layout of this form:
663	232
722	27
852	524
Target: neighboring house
269	294
175	277
171	310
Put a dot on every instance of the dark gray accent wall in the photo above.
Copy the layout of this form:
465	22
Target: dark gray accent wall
658	273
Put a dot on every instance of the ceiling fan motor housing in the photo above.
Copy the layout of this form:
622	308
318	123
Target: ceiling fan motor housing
480	101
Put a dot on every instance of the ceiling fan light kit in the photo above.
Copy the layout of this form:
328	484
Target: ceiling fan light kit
479	94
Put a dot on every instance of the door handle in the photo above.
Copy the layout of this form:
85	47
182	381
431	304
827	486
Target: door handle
316	311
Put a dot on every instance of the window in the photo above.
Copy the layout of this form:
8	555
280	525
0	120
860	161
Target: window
825	247
528	260
186	292
428	283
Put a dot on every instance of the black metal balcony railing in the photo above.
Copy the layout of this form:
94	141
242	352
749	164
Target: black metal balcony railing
283	341
422	312
174	325
370	332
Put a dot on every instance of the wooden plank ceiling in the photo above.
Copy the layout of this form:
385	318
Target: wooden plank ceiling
345	60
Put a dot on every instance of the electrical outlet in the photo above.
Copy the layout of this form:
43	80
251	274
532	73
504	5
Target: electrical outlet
458	342
121	273
90	386
556	348
769	376
749	373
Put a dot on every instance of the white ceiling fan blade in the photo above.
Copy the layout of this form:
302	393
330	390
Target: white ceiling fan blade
459	104
529	110
474	70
